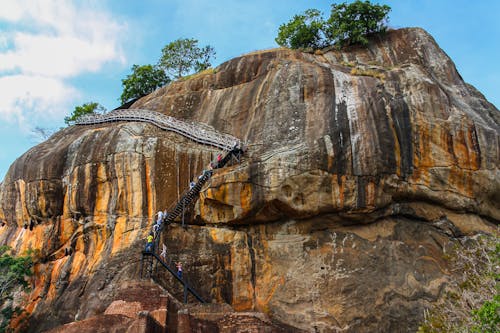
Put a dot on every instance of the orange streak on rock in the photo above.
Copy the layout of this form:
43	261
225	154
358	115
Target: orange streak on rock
54	276
241	273
421	158
246	198
79	244
465	147
21	212
462	181
149	191
221	236
103	190
77	265
474	158
96	243
274	283
67	227
120	241
42	204
39	281
461	150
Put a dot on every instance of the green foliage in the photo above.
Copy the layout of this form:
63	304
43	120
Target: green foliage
303	31
183	56
487	317
347	24
143	80
472	302
86	108
180	57
7	313
351	23
13	274
13	270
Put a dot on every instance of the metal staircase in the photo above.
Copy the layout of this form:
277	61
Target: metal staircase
192	194
150	257
189	197
195	131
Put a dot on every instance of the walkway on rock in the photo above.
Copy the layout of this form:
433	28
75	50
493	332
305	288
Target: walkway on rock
195	131
200	133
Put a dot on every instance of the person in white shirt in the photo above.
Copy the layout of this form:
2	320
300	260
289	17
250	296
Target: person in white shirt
160	217
163	253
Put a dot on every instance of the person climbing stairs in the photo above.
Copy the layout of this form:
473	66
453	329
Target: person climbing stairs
190	196
150	257
193	193
197	132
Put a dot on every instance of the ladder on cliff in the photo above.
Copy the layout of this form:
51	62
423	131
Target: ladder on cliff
192	194
147	260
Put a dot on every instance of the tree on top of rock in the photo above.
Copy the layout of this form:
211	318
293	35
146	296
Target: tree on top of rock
347	24
303	31
180	57
85	108
183	56
143	80
352	23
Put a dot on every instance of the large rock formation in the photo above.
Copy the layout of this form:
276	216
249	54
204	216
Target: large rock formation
363	166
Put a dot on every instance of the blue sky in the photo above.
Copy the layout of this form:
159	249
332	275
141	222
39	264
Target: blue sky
57	54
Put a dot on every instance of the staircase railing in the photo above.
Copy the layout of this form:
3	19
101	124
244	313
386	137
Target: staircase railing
187	287
193	193
195	131
198	132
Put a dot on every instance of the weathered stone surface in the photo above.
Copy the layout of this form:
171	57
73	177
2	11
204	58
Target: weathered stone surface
220	318
354	141
363	167
98	324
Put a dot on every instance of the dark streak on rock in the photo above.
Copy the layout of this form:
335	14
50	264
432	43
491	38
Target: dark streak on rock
341	139
361	192
401	116
475	144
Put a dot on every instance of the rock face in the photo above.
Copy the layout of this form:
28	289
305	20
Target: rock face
363	167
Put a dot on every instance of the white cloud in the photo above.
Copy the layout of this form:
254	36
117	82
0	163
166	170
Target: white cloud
43	44
36	99
56	56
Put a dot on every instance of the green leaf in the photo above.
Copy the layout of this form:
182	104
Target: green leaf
351	23
303	31
183	56
86	108
143	80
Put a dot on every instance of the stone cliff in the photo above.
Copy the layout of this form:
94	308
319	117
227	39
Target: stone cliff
363	166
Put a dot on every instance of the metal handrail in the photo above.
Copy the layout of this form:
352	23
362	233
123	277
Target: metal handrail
187	287
198	132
